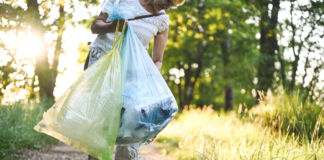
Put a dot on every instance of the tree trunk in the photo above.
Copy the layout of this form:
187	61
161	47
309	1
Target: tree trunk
228	87
42	69
301	89
296	54
268	43
229	97
294	74
192	75
311	88
58	46
282	66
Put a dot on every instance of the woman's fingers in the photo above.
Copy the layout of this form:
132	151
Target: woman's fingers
121	24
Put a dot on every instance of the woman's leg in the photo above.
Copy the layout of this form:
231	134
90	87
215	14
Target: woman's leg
123	153
126	152
91	158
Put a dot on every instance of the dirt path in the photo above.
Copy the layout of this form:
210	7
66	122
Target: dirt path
64	152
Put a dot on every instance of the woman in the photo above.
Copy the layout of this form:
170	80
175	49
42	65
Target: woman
145	29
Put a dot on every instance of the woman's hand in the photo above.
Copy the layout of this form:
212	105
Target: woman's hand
100	26
121	24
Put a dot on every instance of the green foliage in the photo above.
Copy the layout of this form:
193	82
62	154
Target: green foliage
13	73
286	113
17	122
197	31
206	134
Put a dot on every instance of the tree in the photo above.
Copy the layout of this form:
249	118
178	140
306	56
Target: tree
210	46
268	42
305	26
38	17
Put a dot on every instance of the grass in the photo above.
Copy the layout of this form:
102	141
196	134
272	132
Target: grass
16	128
208	135
279	128
286	113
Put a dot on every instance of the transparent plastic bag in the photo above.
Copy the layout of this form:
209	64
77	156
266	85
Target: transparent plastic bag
148	104
87	115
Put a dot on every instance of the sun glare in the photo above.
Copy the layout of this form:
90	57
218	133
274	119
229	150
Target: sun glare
28	45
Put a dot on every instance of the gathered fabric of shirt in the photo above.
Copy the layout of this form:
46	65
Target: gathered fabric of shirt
145	28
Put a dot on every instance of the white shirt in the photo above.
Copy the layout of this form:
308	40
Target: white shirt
145	28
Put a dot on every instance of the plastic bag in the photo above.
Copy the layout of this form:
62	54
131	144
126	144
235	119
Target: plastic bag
148	104
87	115
117	10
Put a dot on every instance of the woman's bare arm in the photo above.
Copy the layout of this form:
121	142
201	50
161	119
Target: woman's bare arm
100	26
159	44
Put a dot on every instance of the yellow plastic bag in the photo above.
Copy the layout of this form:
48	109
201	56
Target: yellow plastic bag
87	115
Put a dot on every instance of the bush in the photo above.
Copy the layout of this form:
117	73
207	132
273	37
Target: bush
16	123
287	113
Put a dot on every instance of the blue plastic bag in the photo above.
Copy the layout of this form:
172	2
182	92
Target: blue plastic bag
148	104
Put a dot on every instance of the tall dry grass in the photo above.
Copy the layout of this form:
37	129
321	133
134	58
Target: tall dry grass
206	134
